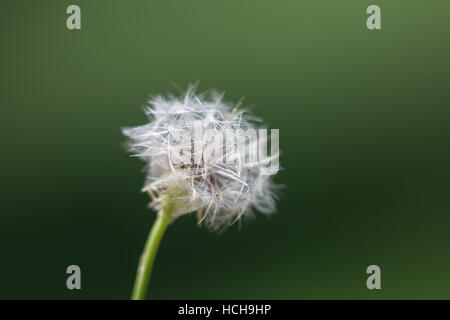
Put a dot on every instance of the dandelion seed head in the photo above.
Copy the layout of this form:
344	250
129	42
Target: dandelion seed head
196	156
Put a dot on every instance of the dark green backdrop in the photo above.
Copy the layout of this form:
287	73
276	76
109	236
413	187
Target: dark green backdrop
364	129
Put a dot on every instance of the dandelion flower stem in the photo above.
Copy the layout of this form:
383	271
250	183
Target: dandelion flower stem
148	255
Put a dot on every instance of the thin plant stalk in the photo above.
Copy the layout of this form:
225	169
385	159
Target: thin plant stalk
148	255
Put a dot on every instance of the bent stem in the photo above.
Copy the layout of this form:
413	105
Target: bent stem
148	255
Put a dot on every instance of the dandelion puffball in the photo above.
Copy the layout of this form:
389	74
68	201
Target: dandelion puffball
206	156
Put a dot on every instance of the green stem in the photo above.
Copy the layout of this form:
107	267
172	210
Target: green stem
148	255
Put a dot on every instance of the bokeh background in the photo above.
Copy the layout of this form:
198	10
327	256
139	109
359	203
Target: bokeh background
364	130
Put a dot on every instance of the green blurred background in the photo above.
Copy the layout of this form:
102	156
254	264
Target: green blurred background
364	130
